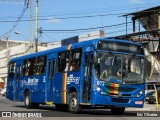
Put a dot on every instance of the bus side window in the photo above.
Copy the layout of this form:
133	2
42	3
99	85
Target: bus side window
62	62
31	63
11	70
40	67
75	60
24	68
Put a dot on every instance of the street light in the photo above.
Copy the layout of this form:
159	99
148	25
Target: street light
18	33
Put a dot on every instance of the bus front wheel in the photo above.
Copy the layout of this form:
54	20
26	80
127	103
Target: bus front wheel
118	110
73	103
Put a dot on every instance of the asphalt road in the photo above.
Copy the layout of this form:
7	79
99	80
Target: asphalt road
18	108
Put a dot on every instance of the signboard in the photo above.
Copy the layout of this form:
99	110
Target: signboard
68	41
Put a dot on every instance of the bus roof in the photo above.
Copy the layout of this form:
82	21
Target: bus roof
75	45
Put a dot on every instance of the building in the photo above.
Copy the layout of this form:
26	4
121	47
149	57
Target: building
13	48
149	19
75	39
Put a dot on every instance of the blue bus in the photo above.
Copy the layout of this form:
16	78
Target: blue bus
99	73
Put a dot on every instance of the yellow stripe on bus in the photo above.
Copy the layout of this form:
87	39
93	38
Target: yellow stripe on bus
64	88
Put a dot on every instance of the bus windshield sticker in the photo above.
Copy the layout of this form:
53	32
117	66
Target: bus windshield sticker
73	79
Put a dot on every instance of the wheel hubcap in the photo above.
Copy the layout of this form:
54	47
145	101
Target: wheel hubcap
73	103
27	100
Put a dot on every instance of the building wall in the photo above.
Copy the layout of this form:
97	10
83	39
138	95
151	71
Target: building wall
12	52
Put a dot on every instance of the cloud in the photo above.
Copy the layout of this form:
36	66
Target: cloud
136	1
53	20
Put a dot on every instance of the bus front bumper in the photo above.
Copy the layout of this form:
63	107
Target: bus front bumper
116	101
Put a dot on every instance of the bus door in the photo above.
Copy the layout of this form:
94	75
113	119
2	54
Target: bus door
17	84
88	62
49	83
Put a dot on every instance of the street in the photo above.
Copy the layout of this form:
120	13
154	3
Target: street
50	111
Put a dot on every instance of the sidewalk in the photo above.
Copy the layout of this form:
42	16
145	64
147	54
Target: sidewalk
147	107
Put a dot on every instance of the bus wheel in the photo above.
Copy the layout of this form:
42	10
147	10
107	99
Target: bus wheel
73	103
27	101
118	111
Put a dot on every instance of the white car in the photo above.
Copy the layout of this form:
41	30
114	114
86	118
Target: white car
3	92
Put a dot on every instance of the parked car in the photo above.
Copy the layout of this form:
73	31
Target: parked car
3	92
150	86
151	97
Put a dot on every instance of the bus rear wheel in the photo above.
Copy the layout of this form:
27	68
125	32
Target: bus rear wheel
28	103
118	110
74	107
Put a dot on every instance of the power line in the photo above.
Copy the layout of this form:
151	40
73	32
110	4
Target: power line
17	21
100	10
73	17
76	17
93	28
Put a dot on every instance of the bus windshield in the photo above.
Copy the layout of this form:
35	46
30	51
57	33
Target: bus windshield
125	68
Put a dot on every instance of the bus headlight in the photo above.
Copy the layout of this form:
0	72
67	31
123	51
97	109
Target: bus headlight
98	89
140	93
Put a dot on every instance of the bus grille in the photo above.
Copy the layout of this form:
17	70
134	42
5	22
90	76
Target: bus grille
120	89
120	100
126	89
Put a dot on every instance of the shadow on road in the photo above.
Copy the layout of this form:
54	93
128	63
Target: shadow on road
50	111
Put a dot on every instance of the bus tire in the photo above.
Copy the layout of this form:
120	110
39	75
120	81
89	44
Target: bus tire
74	107
27	100
118	111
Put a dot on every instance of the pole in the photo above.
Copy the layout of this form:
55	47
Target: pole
156	94
126	25
36	41
31	19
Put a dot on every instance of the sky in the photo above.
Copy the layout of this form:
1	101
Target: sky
61	15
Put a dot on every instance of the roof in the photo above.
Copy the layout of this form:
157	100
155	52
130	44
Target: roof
15	41
136	33
150	10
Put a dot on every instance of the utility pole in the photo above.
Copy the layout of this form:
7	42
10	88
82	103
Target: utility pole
36	41
31	27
